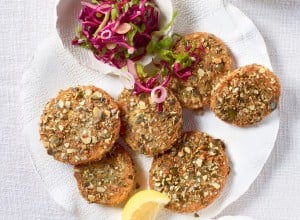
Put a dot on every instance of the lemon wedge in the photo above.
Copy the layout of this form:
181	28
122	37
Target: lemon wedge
144	205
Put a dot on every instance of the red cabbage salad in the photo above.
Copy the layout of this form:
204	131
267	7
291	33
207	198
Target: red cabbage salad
121	32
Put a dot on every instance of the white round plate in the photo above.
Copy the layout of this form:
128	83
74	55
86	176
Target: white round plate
56	66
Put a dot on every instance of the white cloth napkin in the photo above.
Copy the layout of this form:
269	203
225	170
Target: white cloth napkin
54	68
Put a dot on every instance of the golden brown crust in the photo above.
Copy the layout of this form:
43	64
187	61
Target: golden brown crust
109	181
246	95
193	173
80	125
215	61
144	128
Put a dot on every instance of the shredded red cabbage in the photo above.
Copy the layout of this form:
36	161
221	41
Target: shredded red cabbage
107	23
120	32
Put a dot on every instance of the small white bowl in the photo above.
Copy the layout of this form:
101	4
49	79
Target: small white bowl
67	12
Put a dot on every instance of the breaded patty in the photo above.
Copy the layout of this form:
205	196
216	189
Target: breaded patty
192	173
215	61
144	128
246	96
109	181
80	125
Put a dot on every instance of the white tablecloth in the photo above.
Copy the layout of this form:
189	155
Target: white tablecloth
274	195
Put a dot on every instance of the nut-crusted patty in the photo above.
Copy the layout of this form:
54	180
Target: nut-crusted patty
192	173
144	128
215	61
80	125
246	96
109	181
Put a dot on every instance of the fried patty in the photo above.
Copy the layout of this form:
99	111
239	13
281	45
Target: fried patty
144	128
109	181
215	61
80	125
246	95
192	173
